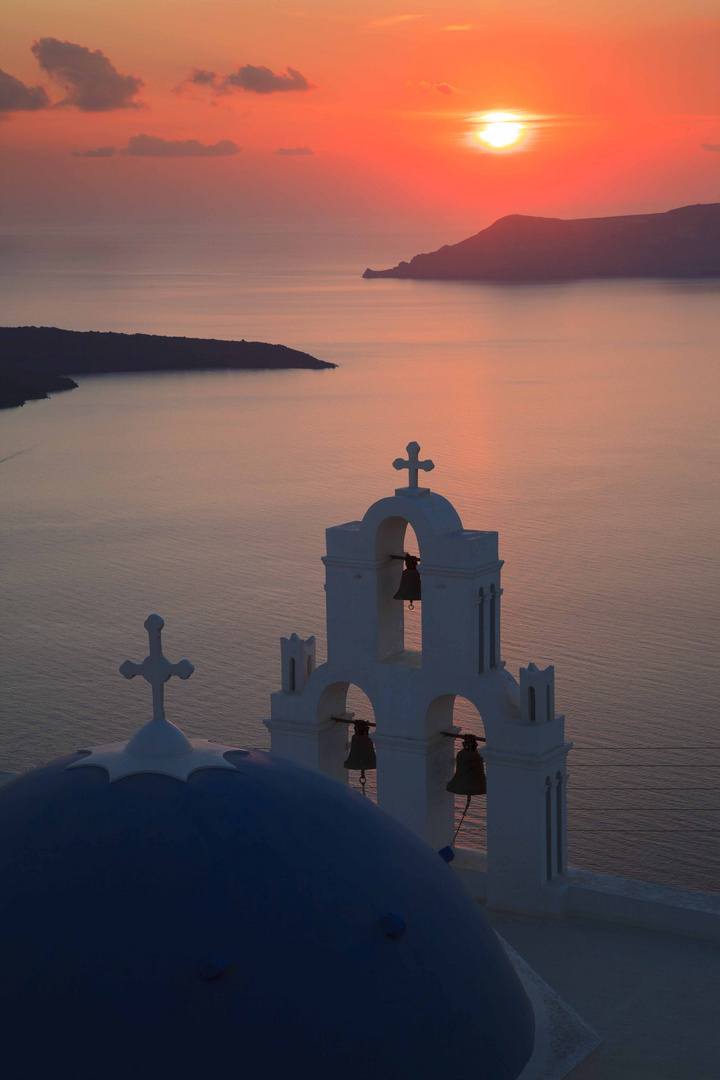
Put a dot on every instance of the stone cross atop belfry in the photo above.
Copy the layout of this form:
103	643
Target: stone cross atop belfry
155	668
413	465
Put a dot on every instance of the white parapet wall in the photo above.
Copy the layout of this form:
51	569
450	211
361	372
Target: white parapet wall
615	899
643	903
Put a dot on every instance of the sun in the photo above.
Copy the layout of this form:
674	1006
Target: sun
500	130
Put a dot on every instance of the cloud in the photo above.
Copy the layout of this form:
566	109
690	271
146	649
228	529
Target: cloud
15	96
294	151
393	20
711	146
256	79
201	77
91	82
154	146
429	88
101	151
459	26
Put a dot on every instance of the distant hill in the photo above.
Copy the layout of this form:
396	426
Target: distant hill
682	243
36	360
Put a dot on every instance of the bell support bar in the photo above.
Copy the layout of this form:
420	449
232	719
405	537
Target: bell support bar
353	720
449	734
457	734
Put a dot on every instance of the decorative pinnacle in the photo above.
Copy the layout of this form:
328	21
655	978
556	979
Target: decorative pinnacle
412	464
155	668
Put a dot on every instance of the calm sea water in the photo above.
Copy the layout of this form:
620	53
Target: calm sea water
579	420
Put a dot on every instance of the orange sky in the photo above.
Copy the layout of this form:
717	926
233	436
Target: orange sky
619	98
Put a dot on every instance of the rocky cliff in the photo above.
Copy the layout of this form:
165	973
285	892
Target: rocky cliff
682	243
36	360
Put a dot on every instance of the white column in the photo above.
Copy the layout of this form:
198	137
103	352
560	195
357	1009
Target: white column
319	746
411	779
527	845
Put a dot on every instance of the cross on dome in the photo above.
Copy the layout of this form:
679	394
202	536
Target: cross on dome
155	668
159	746
413	465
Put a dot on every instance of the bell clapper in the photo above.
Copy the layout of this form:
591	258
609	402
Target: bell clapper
363	781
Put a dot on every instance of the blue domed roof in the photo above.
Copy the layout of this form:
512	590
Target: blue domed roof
236	925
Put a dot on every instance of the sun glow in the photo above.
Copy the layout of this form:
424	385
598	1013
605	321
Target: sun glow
500	130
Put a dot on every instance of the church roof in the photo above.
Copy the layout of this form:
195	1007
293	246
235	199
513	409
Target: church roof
258	920
253	919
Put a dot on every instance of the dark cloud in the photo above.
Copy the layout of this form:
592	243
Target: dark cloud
90	81
200	77
294	151
261	80
101	151
711	146
15	96
154	146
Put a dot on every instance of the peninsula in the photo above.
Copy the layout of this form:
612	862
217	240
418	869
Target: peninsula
682	243
37	360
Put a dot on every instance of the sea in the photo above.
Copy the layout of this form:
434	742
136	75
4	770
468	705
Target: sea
577	419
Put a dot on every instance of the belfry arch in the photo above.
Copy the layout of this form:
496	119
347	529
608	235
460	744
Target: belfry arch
399	626
413	695
452	713
338	705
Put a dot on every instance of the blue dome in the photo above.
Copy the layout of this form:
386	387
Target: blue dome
236	925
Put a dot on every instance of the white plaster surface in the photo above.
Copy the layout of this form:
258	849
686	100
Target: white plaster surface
614	899
653	998
412	693
118	759
562	1038
642	903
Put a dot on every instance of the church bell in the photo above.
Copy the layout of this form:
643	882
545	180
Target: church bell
362	751
410	588
469	778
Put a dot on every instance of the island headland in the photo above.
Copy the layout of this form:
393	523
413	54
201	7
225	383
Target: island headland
681	243
38	360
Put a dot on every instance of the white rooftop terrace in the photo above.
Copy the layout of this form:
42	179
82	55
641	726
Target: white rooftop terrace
652	997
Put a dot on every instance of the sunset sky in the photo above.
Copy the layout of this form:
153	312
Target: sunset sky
312	111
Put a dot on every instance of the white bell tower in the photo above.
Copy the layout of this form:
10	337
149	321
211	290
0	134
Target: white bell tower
412	693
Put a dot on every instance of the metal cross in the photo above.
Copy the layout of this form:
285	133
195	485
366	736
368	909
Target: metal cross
412	464
155	669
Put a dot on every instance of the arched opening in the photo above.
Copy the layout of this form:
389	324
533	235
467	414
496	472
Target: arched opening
481	631
532	704
474	829
309	666
412	616
549	703
340	699
358	703
291	675
399	625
